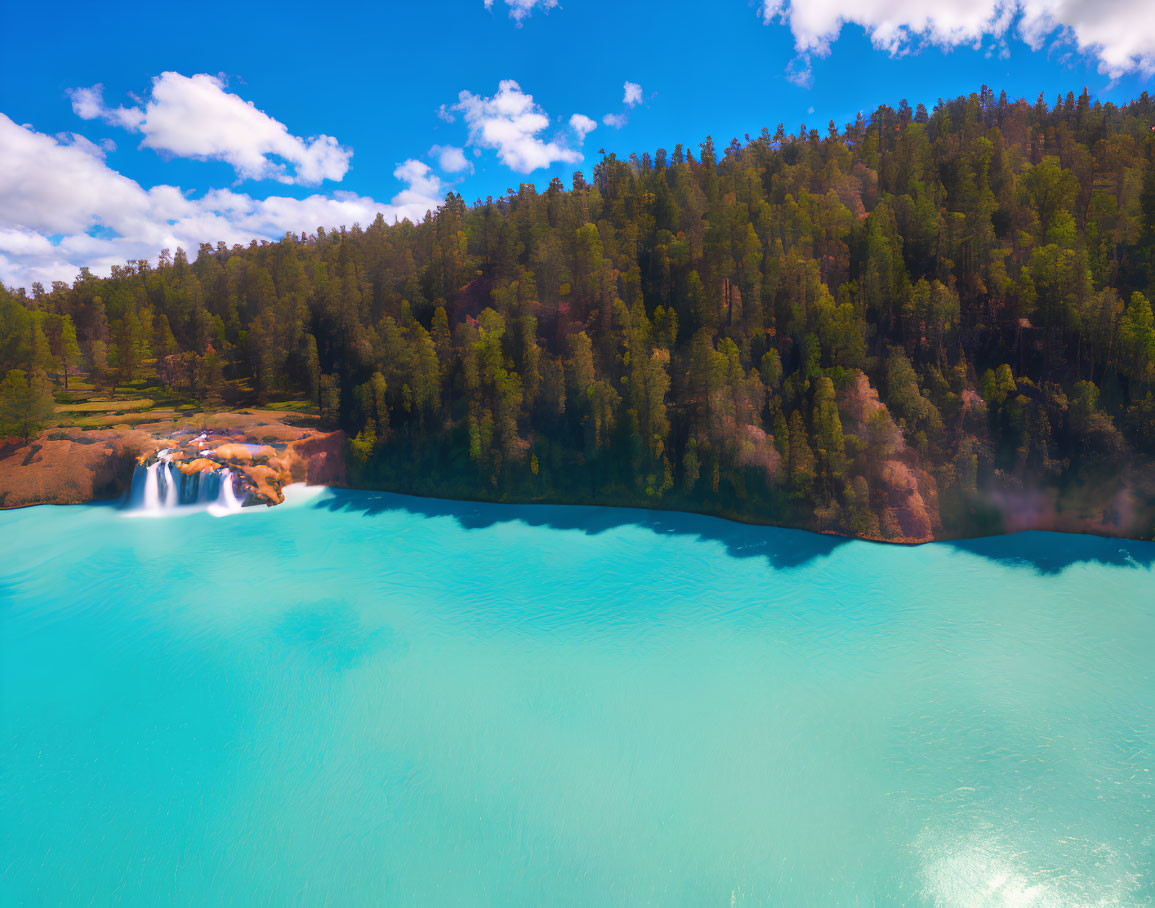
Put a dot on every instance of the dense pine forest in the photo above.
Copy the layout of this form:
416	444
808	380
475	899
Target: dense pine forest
898	329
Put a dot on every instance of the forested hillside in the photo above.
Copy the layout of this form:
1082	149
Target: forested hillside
921	324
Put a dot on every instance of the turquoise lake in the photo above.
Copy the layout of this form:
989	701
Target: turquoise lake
361	698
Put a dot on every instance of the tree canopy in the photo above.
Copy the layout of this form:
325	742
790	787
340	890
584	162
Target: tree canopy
756	332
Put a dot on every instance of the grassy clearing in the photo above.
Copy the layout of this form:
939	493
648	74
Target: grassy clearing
106	406
147	404
77	386
111	420
296	406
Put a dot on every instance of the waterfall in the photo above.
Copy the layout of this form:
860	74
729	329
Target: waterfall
171	494
228	497
225	500
152	487
161	488
203	488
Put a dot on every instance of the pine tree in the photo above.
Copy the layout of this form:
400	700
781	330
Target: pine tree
26	404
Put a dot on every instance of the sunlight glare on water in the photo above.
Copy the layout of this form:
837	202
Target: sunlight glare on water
361	698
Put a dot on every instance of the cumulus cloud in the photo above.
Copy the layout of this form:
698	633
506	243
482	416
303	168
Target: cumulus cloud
423	192
631	97
194	117
582	125
1119	33
450	158
63	207
520	9
509	123
88	103
76	140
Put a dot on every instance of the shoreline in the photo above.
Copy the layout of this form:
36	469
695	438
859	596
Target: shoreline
737	519
294	498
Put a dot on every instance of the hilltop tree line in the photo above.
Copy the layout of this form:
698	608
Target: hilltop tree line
701	328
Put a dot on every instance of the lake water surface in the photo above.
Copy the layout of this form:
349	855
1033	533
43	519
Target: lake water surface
365	698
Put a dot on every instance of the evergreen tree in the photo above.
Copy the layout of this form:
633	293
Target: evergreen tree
26	405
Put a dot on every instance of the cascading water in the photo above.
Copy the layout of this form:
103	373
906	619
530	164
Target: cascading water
151	493
162	487
228	496
201	482
171	493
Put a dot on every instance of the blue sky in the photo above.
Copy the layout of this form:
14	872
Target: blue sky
168	150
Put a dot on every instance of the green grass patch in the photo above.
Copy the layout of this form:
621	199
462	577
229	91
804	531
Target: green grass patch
110	420
71	397
302	406
106	406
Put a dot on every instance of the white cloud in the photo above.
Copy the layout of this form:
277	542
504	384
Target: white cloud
423	192
194	117
88	103
520	9
76	140
509	122
631	97
1120	33
582	125
450	158
63	207
798	71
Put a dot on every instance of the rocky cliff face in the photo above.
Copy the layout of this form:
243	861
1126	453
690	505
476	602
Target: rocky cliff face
903	494
318	460
68	468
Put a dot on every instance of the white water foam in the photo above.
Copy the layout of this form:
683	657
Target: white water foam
159	489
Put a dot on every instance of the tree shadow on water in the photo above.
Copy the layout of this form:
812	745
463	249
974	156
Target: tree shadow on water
781	547
1052	553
